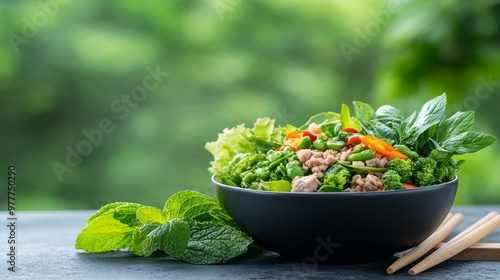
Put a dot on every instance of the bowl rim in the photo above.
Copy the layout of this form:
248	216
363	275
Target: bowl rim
377	193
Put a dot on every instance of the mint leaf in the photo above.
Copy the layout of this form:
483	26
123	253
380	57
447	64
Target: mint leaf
103	234
172	237
142	244
123	211
191	205
150	215
212	243
127	213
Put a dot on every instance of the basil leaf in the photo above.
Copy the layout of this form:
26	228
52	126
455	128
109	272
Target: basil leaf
431	113
383	131
460	122
389	116
364	113
468	142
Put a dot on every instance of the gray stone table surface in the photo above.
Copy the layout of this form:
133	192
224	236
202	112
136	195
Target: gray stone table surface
45	250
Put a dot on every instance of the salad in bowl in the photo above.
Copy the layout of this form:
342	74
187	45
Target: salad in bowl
374	150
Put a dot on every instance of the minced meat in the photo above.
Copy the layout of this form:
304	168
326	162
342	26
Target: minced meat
317	161
305	184
369	183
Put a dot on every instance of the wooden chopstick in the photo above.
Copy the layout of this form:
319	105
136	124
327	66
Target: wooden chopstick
473	227
444	230
468	237
476	252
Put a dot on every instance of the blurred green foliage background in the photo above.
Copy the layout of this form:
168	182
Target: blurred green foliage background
70	69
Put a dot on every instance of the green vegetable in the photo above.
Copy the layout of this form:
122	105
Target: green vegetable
248	178
337	130
192	227
425	172
321	118
362	156
428	133
347	120
391	180
358	148
320	144
330	188
294	169
357	169
447	171
343	136
331	129
335	144
262	173
403	168
305	142
276	186
405	150
336	177
240	140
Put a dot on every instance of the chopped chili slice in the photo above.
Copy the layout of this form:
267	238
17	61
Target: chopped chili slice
381	147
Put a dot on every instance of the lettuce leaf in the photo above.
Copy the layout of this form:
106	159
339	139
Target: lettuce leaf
240	139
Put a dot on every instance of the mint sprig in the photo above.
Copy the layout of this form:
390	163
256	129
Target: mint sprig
192	227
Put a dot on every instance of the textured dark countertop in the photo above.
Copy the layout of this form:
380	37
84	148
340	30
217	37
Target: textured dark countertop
45	250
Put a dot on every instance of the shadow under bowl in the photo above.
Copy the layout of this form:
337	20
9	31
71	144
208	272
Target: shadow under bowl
341	227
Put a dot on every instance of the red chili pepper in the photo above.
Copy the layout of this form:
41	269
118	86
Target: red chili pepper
350	129
355	139
310	134
292	139
409	186
381	147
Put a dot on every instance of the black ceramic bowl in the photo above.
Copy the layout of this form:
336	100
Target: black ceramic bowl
338	227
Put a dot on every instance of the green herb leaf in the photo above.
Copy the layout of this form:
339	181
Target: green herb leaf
212	243
383	131
172	237
364	113
431	113
104	233
142	244
389	116
320	118
192	205
122	211
150	215
460	122
468	142
347	120
263	128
